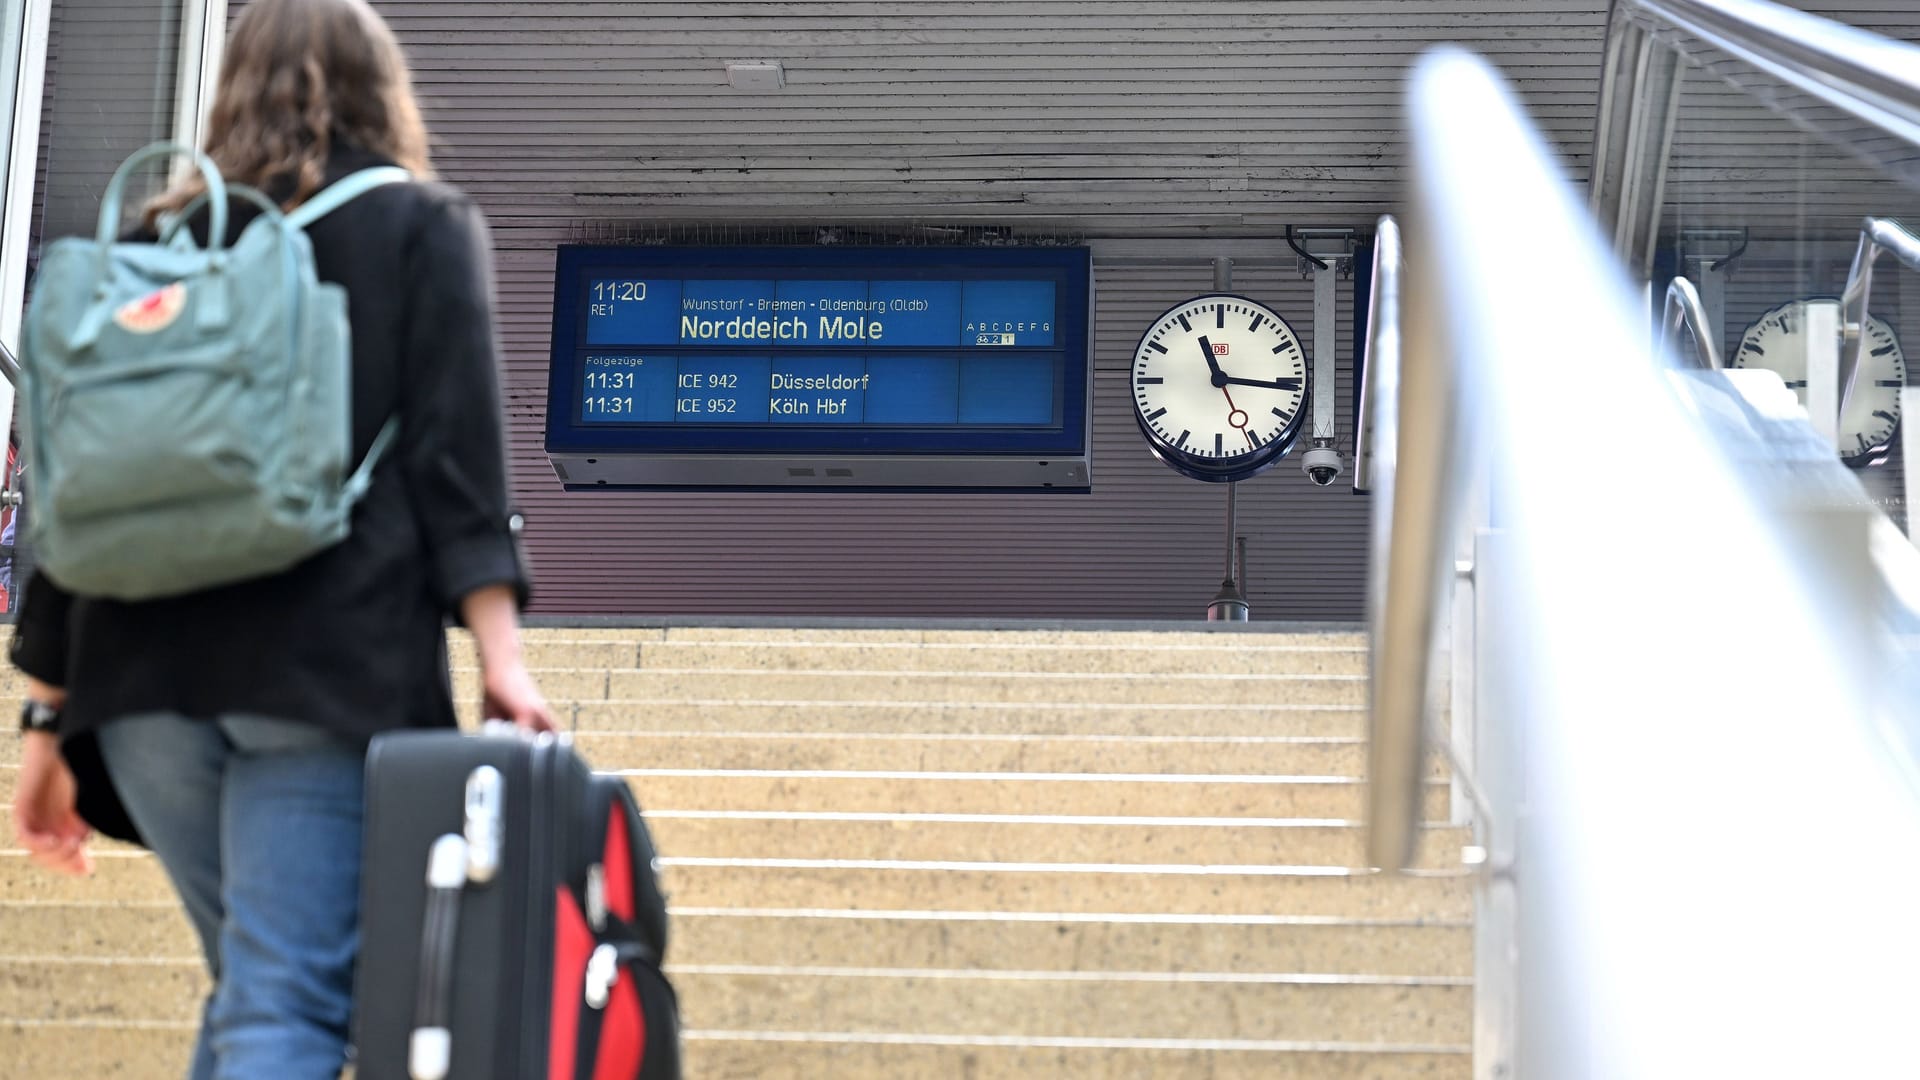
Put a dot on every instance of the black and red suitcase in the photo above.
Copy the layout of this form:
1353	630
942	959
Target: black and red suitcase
512	927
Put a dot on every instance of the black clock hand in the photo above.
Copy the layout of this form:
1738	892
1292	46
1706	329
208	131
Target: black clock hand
1276	384
1206	350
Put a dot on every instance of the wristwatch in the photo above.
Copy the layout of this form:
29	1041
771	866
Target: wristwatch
39	716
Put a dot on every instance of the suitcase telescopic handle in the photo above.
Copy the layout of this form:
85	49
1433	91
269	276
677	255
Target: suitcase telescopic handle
430	1050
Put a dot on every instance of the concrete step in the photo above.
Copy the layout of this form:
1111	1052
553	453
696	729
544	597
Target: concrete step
702	713
1129	794
962	884
1288	755
987	940
1009	838
1153	1005
1273	755
1230	659
1173	635
769	1056
88	1051
750	653
1045	838
597	672
1057	941
100	929
978	885
1156	795
755	685
118	990
1150	1004
981	686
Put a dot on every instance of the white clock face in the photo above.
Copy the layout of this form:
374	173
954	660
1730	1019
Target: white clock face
1218	386
1777	341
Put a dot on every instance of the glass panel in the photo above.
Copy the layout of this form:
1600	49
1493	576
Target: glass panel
111	79
112	73
1763	210
12	25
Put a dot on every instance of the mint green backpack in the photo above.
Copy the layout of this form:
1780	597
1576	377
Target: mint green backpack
187	410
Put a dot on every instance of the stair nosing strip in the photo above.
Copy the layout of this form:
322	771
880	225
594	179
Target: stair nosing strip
1094	918
1276	978
1070	1042
1134	869
890	817
962	736
973	777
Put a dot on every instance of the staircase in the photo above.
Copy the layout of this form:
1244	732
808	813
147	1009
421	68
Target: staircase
925	853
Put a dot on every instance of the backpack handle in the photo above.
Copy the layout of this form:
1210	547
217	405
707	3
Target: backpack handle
116	191
172	224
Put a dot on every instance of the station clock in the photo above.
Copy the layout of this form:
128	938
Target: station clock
1777	341
1219	384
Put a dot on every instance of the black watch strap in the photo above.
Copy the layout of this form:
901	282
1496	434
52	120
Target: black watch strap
39	716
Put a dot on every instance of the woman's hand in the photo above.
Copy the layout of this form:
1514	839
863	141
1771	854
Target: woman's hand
45	821
510	694
508	690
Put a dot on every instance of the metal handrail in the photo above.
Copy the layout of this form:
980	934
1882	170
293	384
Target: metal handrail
9	364
1647	696
1863	74
1404	555
1877	236
1419	458
1684	310
1382	346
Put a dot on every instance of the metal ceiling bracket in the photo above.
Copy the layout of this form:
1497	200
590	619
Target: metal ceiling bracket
1716	251
1323	248
1326	255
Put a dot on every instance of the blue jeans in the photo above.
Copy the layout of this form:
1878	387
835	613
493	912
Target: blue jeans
258	824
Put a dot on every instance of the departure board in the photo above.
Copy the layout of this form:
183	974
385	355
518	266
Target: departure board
860	352
836	350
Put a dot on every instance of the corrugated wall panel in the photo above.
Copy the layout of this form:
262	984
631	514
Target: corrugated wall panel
1083	119
1101	118
1058	117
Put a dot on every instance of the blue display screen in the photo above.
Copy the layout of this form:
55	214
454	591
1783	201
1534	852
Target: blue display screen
924	350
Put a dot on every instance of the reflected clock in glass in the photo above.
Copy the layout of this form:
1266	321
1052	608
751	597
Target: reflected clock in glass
1219	382
1777	341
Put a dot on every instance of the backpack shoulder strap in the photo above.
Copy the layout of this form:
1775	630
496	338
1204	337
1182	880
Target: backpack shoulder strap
345	190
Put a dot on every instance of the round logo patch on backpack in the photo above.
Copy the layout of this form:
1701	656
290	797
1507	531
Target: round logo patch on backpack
153	312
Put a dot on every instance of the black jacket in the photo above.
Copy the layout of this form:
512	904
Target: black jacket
352	639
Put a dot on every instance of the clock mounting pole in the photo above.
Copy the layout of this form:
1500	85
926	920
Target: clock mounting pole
1230	603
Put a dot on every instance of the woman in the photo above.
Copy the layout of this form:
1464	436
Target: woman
232	723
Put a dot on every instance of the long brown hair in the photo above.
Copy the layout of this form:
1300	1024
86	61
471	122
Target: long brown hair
300	76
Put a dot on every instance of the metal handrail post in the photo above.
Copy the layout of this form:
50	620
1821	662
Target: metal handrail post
1684	310
1877	236
1385	285
1417	458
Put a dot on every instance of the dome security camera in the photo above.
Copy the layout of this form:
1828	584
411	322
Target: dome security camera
1322	465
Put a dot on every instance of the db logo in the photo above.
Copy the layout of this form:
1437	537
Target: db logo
1219	350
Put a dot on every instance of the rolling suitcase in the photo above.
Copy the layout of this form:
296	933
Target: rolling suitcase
511	924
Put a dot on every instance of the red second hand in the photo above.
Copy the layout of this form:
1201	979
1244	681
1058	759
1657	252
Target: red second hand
1236	411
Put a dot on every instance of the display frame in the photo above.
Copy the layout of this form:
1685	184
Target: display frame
1069	269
